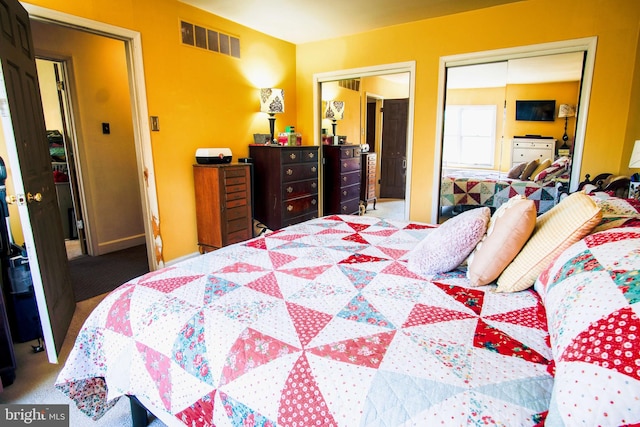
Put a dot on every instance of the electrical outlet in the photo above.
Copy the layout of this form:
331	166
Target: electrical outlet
106	129
155	124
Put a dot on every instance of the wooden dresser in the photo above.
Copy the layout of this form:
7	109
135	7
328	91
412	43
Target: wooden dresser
528	149
341	179
368	179
285	184
223	204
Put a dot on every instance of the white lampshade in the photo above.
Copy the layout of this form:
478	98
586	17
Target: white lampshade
334	110
272	100
634	163
566	110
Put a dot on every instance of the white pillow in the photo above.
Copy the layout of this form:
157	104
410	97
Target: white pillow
447	246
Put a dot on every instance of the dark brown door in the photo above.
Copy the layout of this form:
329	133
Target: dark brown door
30	165
371	125
393	160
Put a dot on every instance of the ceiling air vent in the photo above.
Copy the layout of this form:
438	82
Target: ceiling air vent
353	84
211	40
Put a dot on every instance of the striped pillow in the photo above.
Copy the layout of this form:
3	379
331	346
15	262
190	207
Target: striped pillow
557	229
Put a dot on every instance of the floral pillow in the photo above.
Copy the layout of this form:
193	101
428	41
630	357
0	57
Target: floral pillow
592	297
616	212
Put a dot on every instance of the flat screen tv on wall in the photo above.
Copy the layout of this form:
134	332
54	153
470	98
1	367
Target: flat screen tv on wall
536	111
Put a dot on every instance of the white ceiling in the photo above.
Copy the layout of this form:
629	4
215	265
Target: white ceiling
302	21
565	67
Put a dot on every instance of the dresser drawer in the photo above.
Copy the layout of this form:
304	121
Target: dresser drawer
310	155
299	172
349	152
350	192
521	155
297	189
349	178
350	206
301	206
348	165
298	156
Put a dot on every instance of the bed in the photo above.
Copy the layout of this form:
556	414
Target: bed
320	323
461	188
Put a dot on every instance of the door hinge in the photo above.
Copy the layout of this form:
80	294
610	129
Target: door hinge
60	85
79	224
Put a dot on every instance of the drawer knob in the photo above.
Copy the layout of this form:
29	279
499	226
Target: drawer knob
344	165
344	192
314	185
312	155
344	208
289	172
344	178
289	208
314	201
313	169
289	189
292	156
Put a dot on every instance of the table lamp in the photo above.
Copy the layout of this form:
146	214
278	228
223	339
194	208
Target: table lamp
272	103
334	111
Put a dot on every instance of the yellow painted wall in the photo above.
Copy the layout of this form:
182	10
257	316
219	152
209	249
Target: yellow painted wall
616	24
561	92
202	98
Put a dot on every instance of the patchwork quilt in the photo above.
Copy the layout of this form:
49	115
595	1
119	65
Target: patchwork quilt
493	189
592	296
317	324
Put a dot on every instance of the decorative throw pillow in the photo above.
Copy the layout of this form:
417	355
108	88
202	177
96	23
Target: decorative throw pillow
591	295
549	173
447	246
562	161
531	166
516	170
509	229
542	166
564	224
616	212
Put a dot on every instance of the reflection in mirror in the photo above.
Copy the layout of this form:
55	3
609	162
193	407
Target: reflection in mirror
489	147
382	137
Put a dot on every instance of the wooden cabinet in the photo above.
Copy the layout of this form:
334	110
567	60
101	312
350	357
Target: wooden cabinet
527	149
341	179
368	179
223	204
285	184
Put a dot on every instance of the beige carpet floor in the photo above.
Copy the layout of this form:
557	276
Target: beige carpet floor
387	208
35	377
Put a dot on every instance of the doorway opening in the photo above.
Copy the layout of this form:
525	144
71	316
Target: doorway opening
60	125
143	184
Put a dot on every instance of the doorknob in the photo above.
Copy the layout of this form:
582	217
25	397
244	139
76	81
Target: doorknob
20	199
34	197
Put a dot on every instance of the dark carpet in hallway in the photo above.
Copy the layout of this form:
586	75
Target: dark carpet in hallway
95	275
